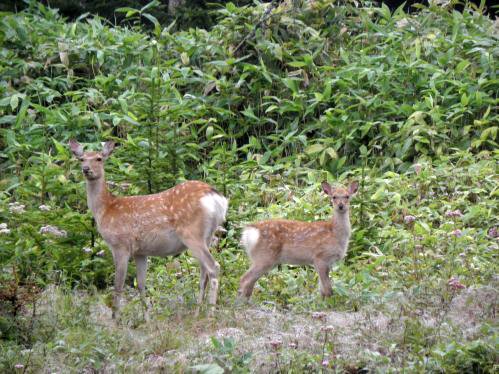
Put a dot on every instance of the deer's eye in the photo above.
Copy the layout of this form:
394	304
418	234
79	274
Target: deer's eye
347	196
81	159
99	159
334	197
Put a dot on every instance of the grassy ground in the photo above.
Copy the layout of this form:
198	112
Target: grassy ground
399	331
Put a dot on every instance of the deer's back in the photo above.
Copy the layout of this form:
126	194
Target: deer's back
294	242
180	207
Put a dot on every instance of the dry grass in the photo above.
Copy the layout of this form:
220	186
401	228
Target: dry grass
375	336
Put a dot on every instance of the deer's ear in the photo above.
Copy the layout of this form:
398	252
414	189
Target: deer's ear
353	188
326	187
76	148
108	149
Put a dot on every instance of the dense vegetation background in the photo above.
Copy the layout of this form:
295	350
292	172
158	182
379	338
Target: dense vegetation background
406	104
184	14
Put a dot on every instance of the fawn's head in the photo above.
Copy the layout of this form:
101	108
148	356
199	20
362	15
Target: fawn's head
339	196
92	163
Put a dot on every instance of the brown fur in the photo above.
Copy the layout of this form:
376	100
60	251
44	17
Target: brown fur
281	241
162	224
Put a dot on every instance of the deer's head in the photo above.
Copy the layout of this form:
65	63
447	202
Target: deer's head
339	196
92	163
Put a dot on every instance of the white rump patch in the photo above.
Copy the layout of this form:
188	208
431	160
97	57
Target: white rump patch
249	238
215	206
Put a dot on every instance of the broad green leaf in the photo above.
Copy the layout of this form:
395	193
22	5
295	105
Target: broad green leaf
314	148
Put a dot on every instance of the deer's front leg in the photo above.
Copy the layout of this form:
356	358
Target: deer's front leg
141	264
121	264
322	269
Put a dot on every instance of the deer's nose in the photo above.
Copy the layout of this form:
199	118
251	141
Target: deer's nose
85	168
341	206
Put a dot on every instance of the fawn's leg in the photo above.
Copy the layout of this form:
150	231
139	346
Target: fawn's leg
322	269
249	279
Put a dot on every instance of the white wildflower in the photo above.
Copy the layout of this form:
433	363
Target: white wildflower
124	186
4	231
44	207
402	23
87	250
417	168
49	229
442	3
16	208
3	225
100	253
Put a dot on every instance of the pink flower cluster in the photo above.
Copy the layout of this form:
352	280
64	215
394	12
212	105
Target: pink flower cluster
321	316
455	284
453	213
327	328
493	232
409	219
276	344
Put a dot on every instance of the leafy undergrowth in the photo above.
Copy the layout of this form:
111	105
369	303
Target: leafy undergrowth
404	103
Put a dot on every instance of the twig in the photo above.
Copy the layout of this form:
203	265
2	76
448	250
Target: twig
264	18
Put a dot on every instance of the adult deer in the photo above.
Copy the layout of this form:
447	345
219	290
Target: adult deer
162	224
279	241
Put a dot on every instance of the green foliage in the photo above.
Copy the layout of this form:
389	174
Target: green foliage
406	104
227	359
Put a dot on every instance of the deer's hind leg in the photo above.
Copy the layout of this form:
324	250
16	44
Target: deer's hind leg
248	280
209	268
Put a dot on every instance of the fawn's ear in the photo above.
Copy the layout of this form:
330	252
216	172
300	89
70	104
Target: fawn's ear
352	189
326	187
108	149
76	148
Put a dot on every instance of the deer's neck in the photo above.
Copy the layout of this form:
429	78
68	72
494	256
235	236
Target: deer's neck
98	197
341	225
